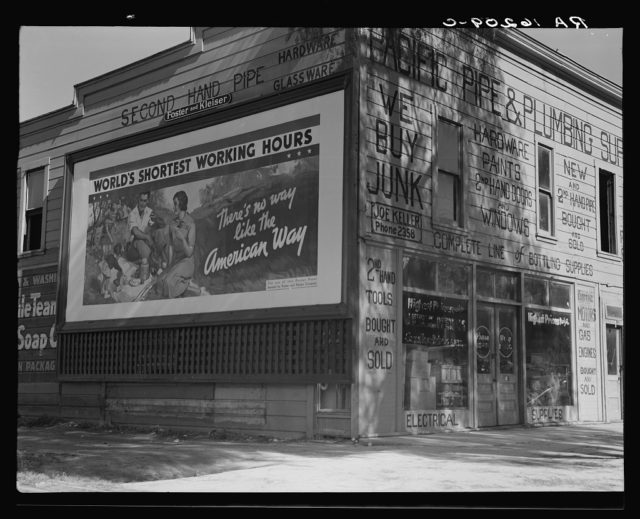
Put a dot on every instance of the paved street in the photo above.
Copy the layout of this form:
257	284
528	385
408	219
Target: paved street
574	458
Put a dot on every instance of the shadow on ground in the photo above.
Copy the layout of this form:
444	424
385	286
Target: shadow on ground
127	455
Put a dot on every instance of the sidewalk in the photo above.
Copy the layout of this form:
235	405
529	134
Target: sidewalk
581	457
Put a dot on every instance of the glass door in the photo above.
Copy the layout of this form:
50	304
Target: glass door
496	365
614	373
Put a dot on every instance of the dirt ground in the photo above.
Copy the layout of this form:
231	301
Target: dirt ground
76	458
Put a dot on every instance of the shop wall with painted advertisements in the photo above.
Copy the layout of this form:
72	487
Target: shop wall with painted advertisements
38	387
248	124
589	354
37	341
506	106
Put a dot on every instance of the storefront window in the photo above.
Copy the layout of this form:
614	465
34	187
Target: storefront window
507	286
548	358
535	291
484	283
435	337
501	285
419	273
538	291
559	295
453	279
424	274
435	334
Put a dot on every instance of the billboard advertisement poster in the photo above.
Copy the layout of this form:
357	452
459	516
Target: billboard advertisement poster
246	214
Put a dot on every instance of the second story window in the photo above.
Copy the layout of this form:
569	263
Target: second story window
33	215
607	212
447	200
545	190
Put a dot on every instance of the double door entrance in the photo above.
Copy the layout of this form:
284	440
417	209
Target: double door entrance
497	365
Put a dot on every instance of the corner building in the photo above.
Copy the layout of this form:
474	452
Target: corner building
348	232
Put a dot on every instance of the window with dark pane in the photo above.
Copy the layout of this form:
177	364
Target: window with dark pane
419	273
559	295
447	199
607	212
32	239
545	190
453	278
535	291
484	283
507	286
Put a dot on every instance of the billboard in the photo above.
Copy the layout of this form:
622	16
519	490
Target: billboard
243	215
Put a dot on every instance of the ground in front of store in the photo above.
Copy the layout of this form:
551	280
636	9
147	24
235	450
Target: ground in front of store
65	457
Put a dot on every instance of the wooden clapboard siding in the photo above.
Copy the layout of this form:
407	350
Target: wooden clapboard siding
516	78
82	401
38	399
160	391
103	117
290	408
333	424
102	101
257	408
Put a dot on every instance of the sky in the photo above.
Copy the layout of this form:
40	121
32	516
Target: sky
53	59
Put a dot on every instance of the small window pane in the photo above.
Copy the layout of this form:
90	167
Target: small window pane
535	291
453	279
446	207
507	286
612	350
607	212
419	273
544	168
484	283
35	188
33	235
335	396
559	295
545	212
448	147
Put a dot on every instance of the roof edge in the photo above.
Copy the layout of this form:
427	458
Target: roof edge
531	49
80	90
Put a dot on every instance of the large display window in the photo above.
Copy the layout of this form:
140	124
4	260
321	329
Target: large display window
548	343
435	335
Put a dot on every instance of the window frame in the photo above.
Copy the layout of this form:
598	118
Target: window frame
612	234
570	312
438	292
459	198
342	389
23	216
547	302
495	297
549	234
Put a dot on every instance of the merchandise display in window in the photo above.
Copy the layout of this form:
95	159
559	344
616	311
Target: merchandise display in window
548	361
435	337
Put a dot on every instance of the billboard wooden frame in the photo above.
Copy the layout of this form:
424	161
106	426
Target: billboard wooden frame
170	129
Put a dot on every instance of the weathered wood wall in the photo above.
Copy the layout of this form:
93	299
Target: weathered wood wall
249	64
505	106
